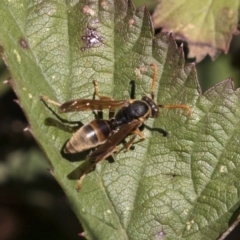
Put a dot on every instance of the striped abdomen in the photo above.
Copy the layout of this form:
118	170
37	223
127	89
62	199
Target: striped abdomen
88	136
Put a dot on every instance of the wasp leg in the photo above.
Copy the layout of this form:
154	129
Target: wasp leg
99	114
135	133
154	79
110	115
96	92
46	99
101	97
92	165
79	182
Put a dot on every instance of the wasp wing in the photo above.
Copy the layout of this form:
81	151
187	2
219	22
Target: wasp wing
106	149
91	104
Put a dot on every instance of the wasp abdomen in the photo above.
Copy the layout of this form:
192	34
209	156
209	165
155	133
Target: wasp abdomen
89	136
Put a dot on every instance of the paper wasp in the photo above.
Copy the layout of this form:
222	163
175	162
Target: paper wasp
106	135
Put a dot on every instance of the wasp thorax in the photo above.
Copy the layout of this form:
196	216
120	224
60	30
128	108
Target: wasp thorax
153	106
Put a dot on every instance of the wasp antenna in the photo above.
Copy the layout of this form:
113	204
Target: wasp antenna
154	79
178	106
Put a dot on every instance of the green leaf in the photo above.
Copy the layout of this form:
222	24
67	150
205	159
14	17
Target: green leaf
184	185
207	26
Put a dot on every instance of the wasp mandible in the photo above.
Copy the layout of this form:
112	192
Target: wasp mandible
106	135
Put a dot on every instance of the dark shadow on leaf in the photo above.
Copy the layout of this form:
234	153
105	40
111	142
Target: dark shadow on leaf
160	130
75	157
133	87
62	126
235	217
77	172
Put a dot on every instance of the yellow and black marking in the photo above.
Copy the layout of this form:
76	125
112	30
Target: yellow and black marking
88	136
